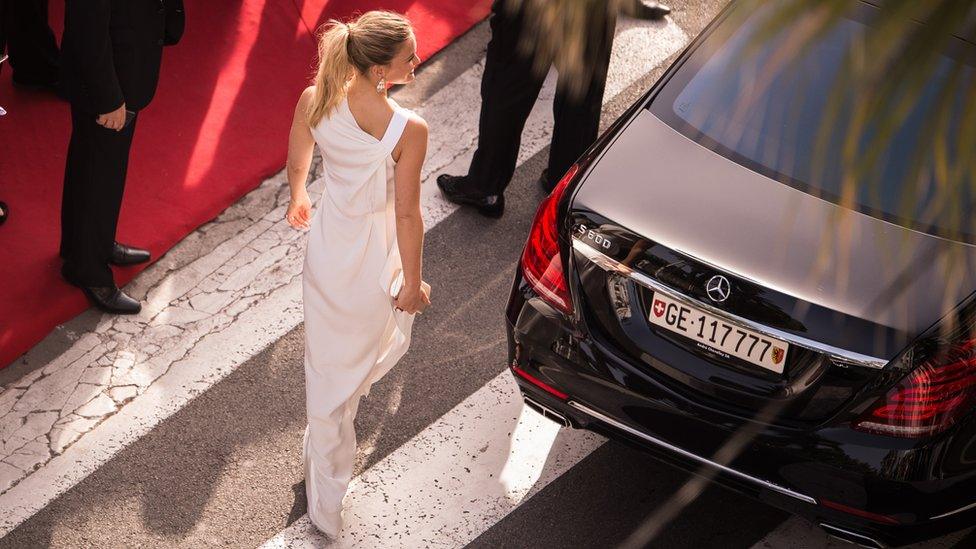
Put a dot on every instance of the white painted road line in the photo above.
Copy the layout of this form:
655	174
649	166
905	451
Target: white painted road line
455	479
452	114
415	497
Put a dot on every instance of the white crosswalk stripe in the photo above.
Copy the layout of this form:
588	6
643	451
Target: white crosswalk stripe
453	120
461	474
463	509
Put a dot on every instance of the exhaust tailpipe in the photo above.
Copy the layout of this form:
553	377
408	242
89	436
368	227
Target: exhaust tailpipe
852	537
548	412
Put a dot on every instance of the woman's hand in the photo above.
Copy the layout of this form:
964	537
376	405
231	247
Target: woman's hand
299	212
413	299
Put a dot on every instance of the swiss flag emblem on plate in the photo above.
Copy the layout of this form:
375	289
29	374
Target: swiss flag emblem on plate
658	307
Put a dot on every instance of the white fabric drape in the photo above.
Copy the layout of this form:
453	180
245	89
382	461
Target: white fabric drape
353	335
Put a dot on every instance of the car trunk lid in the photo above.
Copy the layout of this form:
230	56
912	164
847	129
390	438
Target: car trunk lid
845	290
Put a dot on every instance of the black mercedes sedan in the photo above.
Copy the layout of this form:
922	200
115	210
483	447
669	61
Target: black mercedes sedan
764	271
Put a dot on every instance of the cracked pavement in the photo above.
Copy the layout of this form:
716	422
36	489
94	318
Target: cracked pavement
241	258
239	482
182	427
47	410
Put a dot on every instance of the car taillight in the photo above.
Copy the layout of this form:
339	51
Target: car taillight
541	263
930	398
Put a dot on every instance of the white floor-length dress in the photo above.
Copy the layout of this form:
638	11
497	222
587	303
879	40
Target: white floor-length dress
353	335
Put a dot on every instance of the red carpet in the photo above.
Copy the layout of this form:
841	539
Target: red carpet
217	127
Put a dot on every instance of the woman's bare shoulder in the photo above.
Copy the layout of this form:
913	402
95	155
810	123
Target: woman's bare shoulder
416	130
308	95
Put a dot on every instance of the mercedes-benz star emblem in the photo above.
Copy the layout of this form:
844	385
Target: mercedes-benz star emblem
718	288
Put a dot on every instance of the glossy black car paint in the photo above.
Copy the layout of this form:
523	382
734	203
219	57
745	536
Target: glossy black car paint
798	439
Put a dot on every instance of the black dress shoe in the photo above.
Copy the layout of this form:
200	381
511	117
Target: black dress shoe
107	298
652	11
127	255
492	205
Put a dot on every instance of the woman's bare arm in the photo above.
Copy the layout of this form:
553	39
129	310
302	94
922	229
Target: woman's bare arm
409	221
301	145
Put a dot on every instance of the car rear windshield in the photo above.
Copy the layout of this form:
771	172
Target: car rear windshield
831	105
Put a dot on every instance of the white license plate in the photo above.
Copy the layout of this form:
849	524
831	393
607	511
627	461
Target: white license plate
717	336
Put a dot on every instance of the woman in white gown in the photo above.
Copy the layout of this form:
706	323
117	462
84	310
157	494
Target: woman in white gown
365	240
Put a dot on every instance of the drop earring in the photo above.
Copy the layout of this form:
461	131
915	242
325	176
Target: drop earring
381	85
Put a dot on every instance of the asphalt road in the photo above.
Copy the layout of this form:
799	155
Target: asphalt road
226	469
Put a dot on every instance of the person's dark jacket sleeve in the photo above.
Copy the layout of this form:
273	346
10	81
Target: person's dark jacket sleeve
90	19
175	22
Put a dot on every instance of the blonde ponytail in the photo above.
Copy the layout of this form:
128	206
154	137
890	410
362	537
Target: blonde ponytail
372	39
334	71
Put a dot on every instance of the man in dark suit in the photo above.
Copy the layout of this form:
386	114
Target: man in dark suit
29	40
111	53
512	81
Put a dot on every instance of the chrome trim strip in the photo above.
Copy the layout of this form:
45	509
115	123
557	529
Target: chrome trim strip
704	461
834	353
959	510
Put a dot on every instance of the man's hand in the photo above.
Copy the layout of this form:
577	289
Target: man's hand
114	120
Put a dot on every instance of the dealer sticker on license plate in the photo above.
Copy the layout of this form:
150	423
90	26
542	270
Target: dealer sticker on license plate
717	336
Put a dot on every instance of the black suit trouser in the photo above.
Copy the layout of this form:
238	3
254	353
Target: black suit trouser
94	179
30	41
509	89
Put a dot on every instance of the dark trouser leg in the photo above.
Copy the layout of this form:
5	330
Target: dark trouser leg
577	118
93	184
33	49
5	17
71	194
509	89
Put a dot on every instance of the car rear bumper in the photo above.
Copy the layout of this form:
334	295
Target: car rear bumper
800	471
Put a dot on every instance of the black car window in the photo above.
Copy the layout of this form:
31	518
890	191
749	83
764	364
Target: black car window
795	101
